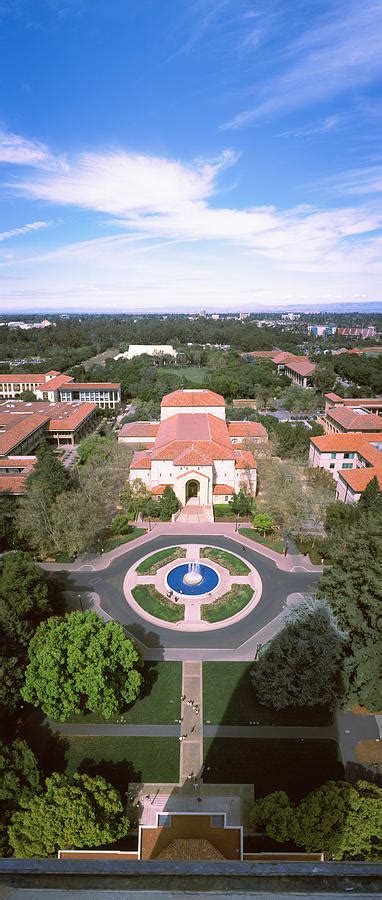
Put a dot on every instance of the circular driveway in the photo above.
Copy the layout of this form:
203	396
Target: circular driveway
108	584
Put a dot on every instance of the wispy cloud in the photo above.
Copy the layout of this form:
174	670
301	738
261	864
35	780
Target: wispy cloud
360	181
20	151
23	229
330	123
341	52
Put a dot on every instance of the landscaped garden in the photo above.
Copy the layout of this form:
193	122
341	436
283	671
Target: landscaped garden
294	766
157	704
228	605
124	759
229	699
119	539
274	543
154	562
234	564
156	604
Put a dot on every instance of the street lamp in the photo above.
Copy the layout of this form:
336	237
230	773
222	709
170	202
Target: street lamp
80	602
149	524
236	523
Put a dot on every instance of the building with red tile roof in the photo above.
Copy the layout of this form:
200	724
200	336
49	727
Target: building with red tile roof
14	471
24	424
369	404
240	431
352	459
341	420
298	368
54	386
193	450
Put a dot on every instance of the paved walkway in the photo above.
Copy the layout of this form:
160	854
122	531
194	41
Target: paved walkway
191	748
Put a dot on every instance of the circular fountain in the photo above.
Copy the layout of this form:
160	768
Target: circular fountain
192	579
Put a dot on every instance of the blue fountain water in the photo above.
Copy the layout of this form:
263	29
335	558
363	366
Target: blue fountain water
176	579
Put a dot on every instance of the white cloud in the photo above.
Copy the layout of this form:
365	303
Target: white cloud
330	123
343	52
23	229
20	151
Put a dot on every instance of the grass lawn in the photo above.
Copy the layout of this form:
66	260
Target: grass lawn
294	766
272	542
119	539
227	605
234	565
151	565
156	604
229	699
159	702
192	373
124	759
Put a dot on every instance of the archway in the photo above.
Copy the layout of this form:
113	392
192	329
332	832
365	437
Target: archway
192	489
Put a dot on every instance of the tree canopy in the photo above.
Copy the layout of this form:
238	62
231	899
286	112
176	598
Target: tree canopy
19	781
300	666
79	662
168	504
84	812
340	819
23	596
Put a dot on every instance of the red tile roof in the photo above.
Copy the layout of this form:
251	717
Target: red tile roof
158	490
246	429
55	383
141	460
358	479
192	427
244	459
353	443
14	482
300	365
193	398
18	430
22	378
139	429
74	419
355	421
221	489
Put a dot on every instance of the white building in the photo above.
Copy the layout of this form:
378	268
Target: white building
191	450
55	387
352	459
149	349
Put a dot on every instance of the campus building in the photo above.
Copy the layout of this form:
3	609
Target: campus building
24	425
369	404
191	449
148	349
55	387
346	419
353	460
297	368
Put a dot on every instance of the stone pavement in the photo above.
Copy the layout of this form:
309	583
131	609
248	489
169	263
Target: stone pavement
191	748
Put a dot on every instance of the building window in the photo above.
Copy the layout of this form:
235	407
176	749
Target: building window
331	466
217	821
333	455
164	820
348	455
347	466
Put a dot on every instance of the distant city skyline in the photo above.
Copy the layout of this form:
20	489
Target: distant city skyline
164	157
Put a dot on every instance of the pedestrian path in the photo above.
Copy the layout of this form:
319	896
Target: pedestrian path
191	747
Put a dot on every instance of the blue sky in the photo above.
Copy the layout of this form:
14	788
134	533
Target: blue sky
167	154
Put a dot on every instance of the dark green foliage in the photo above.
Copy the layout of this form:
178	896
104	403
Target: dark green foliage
19	782
120	525
49	473
339	819
168	504
300	666
241	503
80	662
84	812
95	448
352	586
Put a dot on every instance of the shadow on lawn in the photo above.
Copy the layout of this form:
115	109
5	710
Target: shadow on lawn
119	774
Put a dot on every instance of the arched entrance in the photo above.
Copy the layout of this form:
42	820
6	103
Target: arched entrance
192	489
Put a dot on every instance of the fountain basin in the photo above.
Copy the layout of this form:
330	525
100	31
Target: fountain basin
195	582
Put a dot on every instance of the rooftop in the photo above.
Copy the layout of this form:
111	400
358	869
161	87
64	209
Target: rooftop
193	398
246	429
92	385
139	429
358	479
355	419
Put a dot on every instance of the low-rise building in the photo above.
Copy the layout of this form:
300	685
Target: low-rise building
369	404
14	471
346	456
342	420
298	368
54	386
241	431
149	349
23	425
192	450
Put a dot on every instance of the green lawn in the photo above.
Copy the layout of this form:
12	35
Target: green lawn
119	539
272	542
229	699
159	702
192	373
294	766
228	605
151	565
124	759
234	565
156	604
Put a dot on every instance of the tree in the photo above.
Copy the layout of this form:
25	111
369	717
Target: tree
19	781
28	396
242	503
340	819
23	596
95	448
168	504
77	522
300	665
371	499
84	812
80	662
120	525
263	522
49	473
135	496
